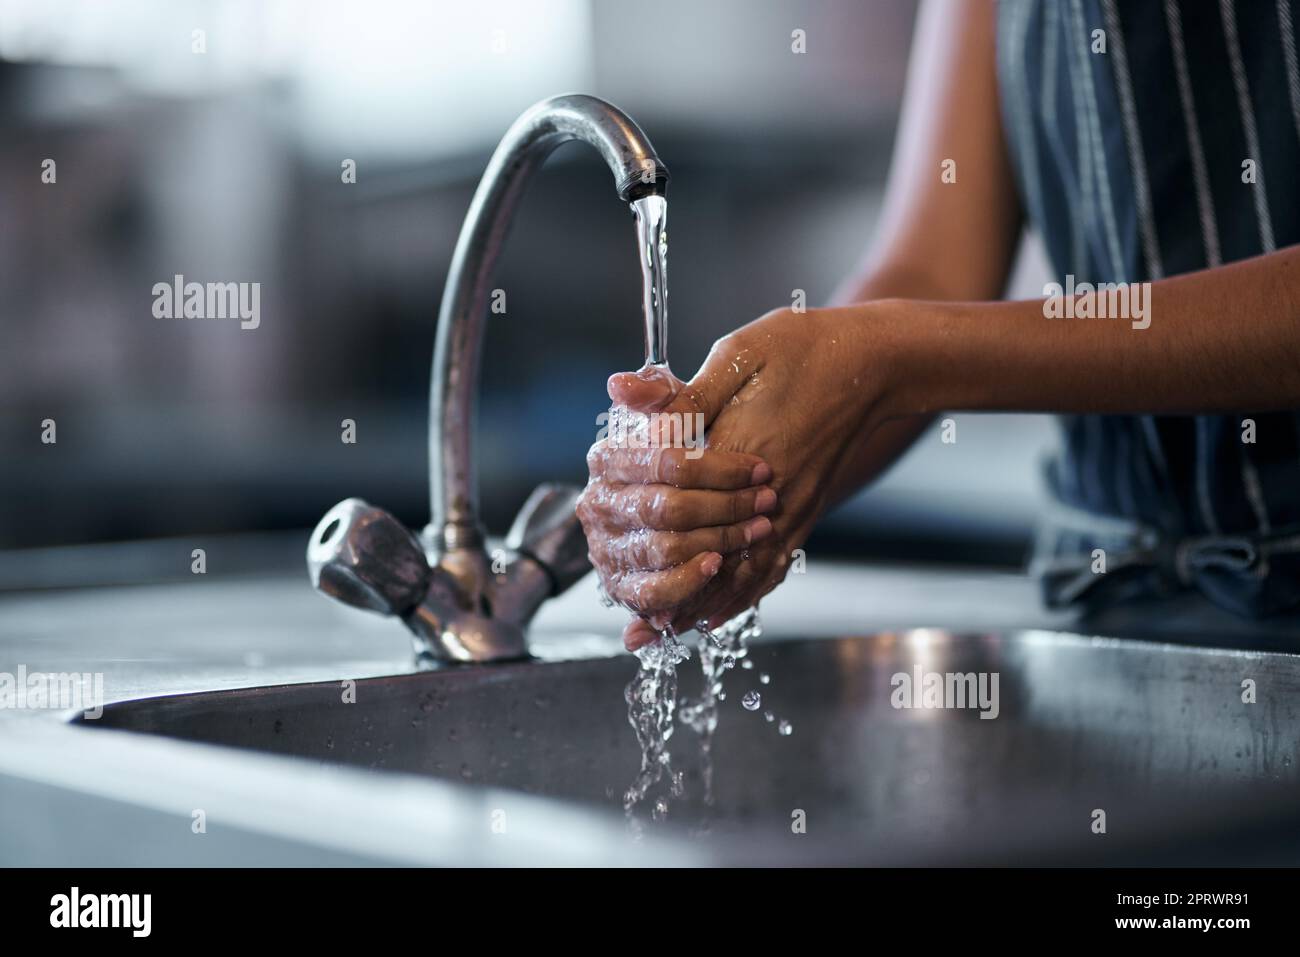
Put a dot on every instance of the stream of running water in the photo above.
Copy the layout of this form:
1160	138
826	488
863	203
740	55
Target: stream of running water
652	700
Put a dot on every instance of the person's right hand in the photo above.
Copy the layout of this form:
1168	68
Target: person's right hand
652	550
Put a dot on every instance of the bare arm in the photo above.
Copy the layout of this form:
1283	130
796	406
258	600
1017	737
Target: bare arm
939	241
1220	340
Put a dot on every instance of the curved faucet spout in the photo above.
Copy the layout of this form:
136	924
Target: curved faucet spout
459	603
453	485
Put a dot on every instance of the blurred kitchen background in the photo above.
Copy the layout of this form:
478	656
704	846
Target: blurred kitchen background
226	166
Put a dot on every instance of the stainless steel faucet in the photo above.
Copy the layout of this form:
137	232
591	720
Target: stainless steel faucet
460	603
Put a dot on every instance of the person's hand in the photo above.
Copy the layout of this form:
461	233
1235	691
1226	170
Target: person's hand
801	391
659	519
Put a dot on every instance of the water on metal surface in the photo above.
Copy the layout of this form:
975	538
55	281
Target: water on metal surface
1157	736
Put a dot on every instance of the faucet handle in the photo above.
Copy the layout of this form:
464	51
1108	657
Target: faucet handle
365	557
547	530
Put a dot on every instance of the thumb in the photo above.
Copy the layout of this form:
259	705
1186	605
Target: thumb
648	390
726	369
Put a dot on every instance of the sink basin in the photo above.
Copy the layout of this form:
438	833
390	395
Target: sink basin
1156	737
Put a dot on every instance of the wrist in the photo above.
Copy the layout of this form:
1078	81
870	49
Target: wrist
910	348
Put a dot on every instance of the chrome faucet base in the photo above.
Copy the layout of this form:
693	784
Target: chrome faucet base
459	605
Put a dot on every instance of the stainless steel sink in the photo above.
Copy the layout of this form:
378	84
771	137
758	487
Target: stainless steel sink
1155	736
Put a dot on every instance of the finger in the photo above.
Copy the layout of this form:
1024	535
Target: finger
638	634
652	593
694	617
684	468
727	368
742	598
665	508
650	550
648	390
739	585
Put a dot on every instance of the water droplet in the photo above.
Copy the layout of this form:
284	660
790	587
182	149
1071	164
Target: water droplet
764	678
769	717
747	665
785	728
752	701
729	661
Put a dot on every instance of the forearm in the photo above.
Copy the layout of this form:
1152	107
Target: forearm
878	451
1220	340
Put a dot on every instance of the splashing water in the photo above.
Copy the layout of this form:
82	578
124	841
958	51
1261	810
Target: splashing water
651	695
719	652
651	702
652	706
